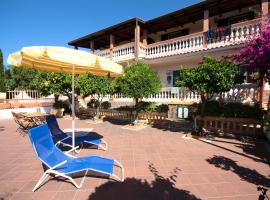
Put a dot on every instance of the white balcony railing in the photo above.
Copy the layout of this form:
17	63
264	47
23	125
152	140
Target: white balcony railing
244	93
180	45
124	52
235	34
166	95
104	53
219	37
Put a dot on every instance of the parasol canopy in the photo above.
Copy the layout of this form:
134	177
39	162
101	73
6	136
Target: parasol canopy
62	59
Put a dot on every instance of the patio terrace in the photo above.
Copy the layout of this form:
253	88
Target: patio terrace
159	164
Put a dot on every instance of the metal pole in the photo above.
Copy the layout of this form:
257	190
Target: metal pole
73	110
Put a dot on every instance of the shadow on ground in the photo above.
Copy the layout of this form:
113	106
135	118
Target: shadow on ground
252	148
117	121
256	148
246	174
2	128
173	126
83	145
160	188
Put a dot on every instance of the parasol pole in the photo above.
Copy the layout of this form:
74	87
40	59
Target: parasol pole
73	109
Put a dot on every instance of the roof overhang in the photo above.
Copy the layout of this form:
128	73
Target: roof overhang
124	31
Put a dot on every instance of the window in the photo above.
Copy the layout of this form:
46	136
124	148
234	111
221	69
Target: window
235	19
171	77
176	74
175	34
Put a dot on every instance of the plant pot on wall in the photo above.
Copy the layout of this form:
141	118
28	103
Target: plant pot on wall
58	112
58	108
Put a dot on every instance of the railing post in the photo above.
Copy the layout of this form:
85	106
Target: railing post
111	45
137	40
92	46
205	26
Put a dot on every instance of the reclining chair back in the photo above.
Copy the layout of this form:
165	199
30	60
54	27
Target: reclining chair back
54	127
44	147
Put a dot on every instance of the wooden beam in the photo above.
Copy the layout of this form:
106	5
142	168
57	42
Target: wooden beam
137	40
92	46
145	37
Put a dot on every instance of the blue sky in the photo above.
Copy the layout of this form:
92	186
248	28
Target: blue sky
56	22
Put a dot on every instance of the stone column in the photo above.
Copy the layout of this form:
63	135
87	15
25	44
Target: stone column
137	40
205	26
265	12
92	46
145	37
112	41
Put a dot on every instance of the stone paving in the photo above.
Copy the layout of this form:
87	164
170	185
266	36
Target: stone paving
159	164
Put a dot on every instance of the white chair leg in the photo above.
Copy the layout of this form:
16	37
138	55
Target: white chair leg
117	163
73	181
43	178
104	147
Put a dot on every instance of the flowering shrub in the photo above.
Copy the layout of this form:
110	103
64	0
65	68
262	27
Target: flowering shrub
255	55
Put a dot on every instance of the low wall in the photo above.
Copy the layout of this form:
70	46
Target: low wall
6	113
123	115
245	126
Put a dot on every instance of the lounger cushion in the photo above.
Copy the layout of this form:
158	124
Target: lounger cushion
92	163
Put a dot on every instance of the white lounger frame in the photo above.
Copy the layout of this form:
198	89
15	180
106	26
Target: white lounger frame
53	171
103	145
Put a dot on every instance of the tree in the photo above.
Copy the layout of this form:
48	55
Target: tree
56	83
139	81
95	86
2	74
19	78
212	76
254	57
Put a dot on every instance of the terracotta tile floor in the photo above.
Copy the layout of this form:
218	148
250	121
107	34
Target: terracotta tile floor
159	164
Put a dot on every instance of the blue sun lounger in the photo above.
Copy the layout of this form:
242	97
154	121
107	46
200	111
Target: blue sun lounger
61	137
60	164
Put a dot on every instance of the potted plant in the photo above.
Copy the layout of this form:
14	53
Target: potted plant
58	108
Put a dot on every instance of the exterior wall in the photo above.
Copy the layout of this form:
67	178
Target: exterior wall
6	113
163	65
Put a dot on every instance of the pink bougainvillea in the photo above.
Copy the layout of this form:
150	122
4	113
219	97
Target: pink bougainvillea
255	55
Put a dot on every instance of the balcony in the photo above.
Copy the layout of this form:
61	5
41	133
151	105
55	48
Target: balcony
216	38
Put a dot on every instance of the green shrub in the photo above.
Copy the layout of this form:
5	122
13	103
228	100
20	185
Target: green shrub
163	108
106	105
125	108
60	104
146	106
242	110
212	108
93	103
239	110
